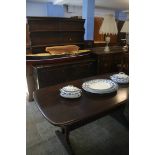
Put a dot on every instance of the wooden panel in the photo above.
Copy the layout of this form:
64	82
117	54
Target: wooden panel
47	38
113	39
44	38
52	70
73	26
125	65
52	31
97	25
27	37
100	37
55	25
57	73
109	61
39	25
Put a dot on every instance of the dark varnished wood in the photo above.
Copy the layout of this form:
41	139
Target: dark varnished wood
125	65
60	59
53	31
64	142
115	60
51	74
50	71
41	70
61	112
120	116
69	114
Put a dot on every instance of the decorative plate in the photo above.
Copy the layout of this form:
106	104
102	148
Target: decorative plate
100	86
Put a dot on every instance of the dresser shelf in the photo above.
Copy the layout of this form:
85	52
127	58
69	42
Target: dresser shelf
54	31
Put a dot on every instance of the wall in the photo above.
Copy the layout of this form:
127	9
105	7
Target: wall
44	9
36	9
120	15
55	10
70	11
100	12
48	9
77	11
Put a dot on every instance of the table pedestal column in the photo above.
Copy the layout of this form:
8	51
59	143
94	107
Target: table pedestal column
63	136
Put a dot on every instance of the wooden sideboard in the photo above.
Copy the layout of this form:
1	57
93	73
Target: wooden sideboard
54	73
44	72
114	61
53	31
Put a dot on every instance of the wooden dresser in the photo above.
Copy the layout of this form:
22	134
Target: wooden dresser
52	31
114	61
42	73
54	73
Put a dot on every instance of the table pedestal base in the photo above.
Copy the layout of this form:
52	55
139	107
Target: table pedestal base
64	139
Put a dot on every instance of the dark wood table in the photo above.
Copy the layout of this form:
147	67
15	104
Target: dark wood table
69	114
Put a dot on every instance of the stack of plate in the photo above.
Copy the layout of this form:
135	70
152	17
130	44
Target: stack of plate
100	86
120	78
70	92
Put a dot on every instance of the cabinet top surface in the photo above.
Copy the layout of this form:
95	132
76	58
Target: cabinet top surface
113	49
53	18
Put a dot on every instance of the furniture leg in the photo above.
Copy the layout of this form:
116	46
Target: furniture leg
63	136
120	117
63	130
66	133
30	82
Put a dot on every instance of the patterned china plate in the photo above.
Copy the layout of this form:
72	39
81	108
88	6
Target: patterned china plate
100	86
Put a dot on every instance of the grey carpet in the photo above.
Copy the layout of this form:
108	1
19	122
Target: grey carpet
105	136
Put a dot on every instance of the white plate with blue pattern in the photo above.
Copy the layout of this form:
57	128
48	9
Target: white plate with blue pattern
100	86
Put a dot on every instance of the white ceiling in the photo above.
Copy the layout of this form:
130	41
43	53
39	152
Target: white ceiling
109	4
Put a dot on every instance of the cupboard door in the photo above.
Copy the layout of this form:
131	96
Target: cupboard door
111	62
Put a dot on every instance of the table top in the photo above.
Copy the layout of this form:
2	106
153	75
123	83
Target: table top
61	111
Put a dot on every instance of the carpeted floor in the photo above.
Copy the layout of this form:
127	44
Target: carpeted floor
105	136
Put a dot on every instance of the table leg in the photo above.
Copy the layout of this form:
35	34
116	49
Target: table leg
63	130
66	134
120	117
63	136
